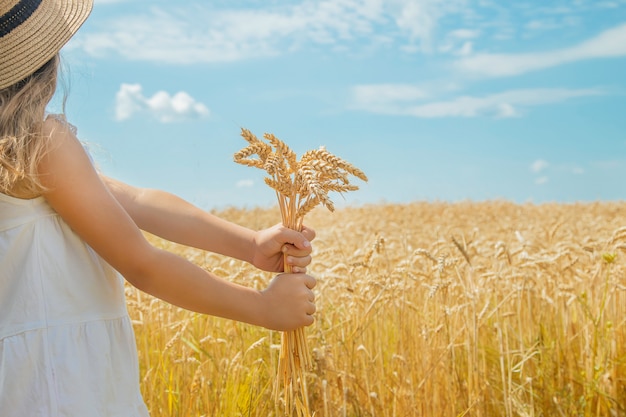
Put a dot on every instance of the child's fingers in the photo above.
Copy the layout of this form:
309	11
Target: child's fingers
308	233
291	250
298	263
309	281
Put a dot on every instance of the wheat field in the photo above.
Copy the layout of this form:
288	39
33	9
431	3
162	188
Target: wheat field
424	309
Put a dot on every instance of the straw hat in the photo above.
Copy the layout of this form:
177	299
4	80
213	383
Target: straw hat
33	31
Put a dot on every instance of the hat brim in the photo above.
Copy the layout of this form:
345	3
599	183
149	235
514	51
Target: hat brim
38	39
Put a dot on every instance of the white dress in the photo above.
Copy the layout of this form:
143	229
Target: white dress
67	347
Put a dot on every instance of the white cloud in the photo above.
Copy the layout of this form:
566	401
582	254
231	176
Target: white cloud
608	4
538	166
209	32
420	18
387	99
244	184
454	48
130	100
610	43
506	110
458	42
464	34
540	25
609	165
466	49
204	33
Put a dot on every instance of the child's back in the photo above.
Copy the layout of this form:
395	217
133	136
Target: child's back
66	342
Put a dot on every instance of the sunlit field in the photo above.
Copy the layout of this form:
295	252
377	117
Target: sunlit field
466	309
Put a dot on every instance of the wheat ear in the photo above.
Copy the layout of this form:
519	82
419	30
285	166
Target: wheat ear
300	186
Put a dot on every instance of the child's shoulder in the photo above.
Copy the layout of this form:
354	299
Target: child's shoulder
58	124
64	150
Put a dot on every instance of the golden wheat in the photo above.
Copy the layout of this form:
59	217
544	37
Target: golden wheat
536	325
300	186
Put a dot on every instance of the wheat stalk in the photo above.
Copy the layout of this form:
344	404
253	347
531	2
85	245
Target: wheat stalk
300	186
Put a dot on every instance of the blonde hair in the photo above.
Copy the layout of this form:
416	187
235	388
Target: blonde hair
22	140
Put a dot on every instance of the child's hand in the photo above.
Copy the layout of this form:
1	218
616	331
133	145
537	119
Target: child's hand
289	302
272	244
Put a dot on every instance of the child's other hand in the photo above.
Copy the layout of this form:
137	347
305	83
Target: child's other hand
289	302
272	244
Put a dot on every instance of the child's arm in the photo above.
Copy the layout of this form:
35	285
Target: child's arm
170	217
77	193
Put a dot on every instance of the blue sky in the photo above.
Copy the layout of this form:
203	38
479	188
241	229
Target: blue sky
435	100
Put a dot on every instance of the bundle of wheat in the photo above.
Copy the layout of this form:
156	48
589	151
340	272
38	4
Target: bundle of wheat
300	186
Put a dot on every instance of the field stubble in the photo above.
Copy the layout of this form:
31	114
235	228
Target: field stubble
424	309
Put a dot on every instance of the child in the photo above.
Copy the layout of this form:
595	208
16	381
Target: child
66	342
